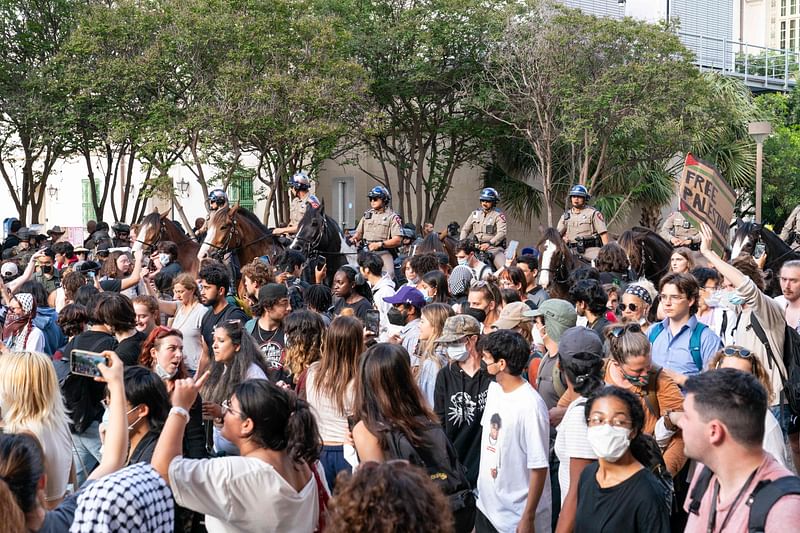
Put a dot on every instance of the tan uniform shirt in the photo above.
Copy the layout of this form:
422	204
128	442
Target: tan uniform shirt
586	222
297	208
792	225
676	225
377	226
487	226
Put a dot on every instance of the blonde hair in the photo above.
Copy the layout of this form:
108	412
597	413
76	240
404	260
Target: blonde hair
436	314
29	392
756	365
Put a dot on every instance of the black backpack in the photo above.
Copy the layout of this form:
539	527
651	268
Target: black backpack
791	361
765	494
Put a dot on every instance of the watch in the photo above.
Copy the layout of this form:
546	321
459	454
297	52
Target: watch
180	411
668	422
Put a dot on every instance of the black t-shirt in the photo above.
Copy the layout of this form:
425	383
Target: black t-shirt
82	395
129	349
273	350
359	308
635	505
210	321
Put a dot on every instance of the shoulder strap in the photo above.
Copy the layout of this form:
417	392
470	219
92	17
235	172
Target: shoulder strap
696	496
762	337
651	396
694	345
558	383
765	495
655	331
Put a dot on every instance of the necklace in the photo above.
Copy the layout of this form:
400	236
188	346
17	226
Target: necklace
261	337
712	516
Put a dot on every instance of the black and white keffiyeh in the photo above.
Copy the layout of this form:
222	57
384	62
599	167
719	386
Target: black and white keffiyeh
133	500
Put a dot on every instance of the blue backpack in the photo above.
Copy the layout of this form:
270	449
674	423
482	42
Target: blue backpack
694	341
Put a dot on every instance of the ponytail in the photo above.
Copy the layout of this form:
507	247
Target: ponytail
10	513
585	371
644	449
21	468
304	443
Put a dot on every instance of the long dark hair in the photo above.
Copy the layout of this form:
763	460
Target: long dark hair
21	468
437	280
281	421
585	371
221	382
387	397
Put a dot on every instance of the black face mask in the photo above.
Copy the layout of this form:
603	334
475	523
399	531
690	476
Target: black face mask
477	314
396	317
46	269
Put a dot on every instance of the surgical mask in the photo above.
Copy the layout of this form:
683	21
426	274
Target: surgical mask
164	259
735	299
477	314
412	281
608	442
396	317
428	298
463	262
714	299
457	352
537	337
163	374
46	269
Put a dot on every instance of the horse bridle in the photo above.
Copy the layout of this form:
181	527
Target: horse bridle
225	248
161	233
312	246
562	263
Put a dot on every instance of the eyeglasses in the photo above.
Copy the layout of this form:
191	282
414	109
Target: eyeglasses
672	297
226	408
621	307
710	289
617	422
737	351
621	330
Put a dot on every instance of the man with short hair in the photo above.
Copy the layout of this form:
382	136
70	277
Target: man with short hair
214	283
529	265
590	302
12	239
790	292
371	267
679	347
723	428
406	310
484	302
46	272
465	255
513	489
267	328
460	392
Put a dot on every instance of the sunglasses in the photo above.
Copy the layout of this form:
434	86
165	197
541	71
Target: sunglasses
621	307
618	331
737	351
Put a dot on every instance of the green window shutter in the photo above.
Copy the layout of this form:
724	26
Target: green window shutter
241	192
86	198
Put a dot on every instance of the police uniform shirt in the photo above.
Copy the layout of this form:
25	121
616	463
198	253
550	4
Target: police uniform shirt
297	208
792	225
487	226
676	225
377	226
583	223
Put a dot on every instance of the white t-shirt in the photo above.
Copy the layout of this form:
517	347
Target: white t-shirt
773	440
34	342
243	495
571	441
188	323
514	440
332	425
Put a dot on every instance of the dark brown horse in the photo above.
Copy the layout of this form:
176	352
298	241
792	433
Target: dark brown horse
556	263
648	253
156	228
439	243
234	230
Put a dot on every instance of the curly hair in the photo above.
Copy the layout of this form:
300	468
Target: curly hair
387	498
611	258
303	333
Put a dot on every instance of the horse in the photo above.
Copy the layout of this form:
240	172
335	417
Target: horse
320	235
749	234
156	228
556	263
648	253
438	243
235	230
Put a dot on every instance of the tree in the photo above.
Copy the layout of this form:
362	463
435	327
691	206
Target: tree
31	137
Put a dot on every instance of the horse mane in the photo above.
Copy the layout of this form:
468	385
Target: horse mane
151	218
431	244
249	216
551	234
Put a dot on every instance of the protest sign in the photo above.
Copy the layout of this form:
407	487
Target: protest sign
706	197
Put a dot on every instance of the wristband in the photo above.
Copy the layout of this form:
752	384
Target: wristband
180	411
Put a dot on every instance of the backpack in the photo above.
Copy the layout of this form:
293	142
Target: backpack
791	361
694	341
765	494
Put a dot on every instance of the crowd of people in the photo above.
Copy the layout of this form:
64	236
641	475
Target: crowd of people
431	397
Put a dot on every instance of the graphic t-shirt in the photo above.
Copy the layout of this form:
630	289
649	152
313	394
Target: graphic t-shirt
273	349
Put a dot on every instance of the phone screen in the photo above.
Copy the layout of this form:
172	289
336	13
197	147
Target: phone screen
85	363
372	321
759	251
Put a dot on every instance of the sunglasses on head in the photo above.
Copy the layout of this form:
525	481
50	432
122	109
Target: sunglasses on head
618	331
621	307
736	351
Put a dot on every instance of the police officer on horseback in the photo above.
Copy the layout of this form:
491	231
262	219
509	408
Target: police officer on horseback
380	227
122	235
791	229
217	199
582	226
678	231
488	225
300	185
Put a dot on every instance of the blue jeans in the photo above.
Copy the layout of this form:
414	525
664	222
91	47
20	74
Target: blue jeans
86	451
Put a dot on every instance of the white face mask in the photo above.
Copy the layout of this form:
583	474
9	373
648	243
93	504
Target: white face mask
164	259
457	352
463	262
163	374
537	337
609	443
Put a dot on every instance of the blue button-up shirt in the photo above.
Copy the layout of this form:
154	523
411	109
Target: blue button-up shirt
672	351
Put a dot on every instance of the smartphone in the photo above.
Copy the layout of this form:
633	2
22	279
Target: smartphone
759	250
372	321
90	274
511	251
85	363
321	262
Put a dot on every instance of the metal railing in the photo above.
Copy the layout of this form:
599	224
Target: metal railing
760	67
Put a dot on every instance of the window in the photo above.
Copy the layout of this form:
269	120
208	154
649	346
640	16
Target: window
793	8
791	35
783	35
240	191
783	8
86	197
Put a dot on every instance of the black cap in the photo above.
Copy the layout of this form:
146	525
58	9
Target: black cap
272	292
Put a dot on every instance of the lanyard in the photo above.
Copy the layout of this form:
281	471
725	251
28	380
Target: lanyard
712	516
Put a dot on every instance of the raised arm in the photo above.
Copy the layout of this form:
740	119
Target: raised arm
115	450
730	272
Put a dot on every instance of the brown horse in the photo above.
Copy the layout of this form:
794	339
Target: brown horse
438	243
238	231
156	228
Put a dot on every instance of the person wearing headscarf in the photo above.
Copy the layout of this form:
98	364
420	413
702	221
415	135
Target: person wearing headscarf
19	333
458	284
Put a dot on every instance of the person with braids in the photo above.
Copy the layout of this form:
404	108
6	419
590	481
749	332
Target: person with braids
271	486
303	332
330	388
388	497
631	367
580	355
395	422
236	359
620	492
19	333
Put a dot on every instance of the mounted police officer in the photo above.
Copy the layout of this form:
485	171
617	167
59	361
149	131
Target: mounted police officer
380	227
122	235
300	185
488	225
678	231
217	199
582	226
791	229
